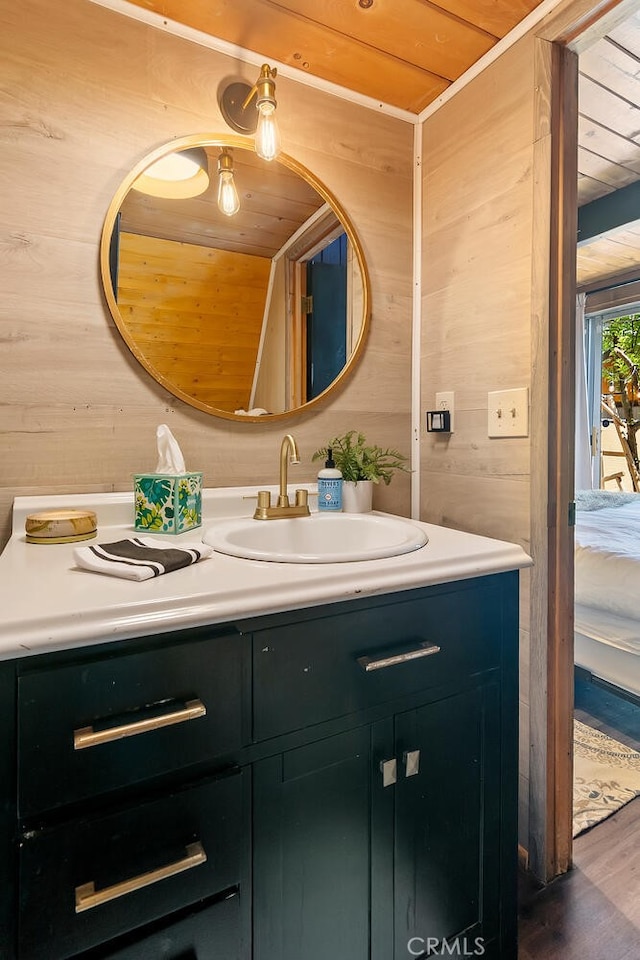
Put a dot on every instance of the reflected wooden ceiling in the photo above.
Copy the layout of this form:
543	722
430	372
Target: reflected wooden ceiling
274	203
405	53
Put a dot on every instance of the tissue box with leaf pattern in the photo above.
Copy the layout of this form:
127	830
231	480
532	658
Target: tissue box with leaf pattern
167	503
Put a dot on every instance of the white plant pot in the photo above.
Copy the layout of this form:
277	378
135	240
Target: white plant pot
357	496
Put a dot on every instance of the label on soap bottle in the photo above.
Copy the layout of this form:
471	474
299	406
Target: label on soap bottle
329	493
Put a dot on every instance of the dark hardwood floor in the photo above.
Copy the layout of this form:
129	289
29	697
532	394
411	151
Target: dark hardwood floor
592	912
616	717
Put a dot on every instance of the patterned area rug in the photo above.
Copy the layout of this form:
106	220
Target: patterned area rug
606	776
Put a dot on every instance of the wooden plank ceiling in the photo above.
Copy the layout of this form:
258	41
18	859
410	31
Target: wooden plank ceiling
405	53
609	149
399	52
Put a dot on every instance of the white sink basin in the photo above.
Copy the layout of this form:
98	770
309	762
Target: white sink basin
320	538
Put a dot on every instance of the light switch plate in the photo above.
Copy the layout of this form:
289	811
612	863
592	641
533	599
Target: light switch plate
508	414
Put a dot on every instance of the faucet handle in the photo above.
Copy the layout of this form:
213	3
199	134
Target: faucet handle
302	498
264	505
256	496
264	499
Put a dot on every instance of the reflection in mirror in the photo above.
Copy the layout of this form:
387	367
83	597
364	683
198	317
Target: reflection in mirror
252	314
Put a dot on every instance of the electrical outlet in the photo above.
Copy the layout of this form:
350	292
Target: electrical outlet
445	401
508	413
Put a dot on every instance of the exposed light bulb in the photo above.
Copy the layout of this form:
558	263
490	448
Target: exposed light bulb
268	143
228	200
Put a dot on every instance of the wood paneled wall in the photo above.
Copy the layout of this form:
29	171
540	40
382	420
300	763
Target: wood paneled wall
195	315
85	94
477	314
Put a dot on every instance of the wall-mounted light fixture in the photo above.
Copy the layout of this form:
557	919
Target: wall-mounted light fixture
177	176
228	201
234	101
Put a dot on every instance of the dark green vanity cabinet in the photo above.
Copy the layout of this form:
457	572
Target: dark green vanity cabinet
131	834
338	781
398	831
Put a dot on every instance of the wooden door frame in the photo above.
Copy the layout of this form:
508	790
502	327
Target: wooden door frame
552	452
562	337
574	26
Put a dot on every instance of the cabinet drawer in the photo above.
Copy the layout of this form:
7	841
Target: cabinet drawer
85	883
212	933
309	672
88	728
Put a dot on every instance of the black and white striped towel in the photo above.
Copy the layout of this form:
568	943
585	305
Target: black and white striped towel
138	559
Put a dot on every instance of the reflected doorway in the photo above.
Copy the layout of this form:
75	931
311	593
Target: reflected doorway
327	316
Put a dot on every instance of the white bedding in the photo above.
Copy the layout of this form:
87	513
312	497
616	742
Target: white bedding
607	558
618	667
623	633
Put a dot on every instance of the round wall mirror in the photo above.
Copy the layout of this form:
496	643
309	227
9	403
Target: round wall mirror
238	284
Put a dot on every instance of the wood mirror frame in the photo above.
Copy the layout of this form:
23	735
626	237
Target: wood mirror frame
148	235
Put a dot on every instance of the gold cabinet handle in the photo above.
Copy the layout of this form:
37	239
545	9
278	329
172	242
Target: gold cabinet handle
389	771
85	737
88	897
424	650
411	760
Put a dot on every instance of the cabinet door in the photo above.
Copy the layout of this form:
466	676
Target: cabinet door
316	810
447	822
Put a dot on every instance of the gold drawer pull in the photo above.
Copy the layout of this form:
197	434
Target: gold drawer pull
88	737
87	897
424	650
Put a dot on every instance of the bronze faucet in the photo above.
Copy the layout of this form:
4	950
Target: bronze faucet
264	510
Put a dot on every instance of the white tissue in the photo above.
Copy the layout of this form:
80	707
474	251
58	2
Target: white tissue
170	459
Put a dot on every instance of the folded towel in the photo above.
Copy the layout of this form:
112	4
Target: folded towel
138	559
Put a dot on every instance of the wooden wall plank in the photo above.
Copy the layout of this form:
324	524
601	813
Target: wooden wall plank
79	412
477	309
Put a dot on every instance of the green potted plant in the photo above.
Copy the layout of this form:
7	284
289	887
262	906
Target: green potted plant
361	464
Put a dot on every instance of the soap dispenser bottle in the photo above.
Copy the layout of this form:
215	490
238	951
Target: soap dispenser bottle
329	485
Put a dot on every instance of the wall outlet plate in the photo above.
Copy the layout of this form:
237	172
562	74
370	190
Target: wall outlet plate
445	401
508	413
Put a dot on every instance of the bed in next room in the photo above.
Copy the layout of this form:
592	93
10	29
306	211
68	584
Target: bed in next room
607	587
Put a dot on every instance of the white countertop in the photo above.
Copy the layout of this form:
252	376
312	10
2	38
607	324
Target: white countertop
49	604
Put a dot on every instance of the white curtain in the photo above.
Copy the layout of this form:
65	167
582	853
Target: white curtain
583	478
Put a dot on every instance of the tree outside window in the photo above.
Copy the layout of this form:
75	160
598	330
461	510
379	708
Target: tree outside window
621	375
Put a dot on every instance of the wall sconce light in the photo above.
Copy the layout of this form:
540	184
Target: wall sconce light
177	176
228	201
236	97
